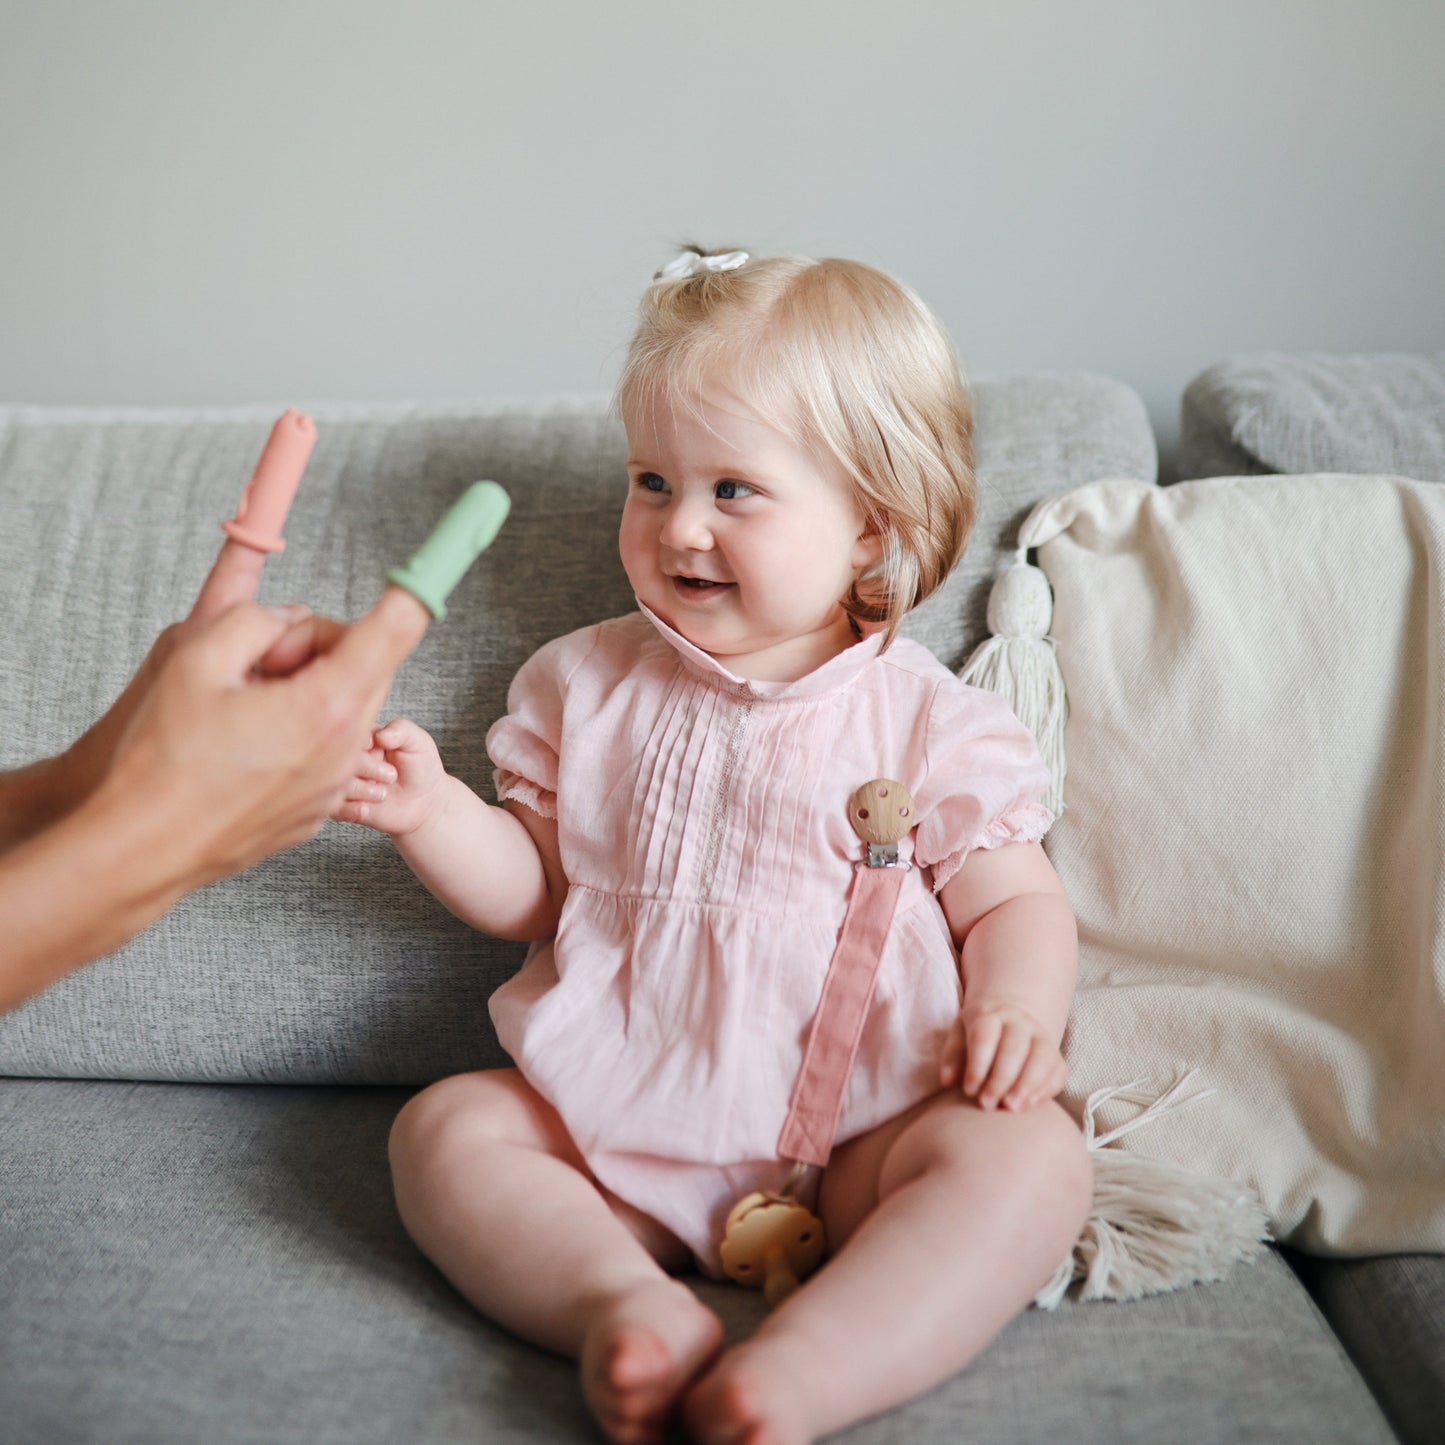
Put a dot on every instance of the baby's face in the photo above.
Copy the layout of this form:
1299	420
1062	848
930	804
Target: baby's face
740	537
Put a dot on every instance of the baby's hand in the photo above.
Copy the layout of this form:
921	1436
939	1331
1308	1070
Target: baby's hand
398	780
1001	1055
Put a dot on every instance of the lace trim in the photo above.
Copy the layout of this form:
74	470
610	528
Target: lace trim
1026	824
529	795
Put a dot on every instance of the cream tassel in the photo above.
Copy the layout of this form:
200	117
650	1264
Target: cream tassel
1153	1226
1019	663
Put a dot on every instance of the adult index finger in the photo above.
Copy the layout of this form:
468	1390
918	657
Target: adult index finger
235	577
255	531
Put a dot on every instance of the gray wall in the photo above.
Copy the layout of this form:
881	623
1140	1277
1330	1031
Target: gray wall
292	202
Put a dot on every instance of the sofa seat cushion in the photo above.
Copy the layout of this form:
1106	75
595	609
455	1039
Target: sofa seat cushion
1303	413
1389	1312
332	964
225	1263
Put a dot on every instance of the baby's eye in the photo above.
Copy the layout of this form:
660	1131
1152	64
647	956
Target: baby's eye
730	490
651	482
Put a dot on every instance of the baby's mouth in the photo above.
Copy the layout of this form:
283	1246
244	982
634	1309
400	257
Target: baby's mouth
700	586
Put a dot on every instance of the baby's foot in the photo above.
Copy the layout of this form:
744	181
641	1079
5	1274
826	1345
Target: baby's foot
747	1398
640	1353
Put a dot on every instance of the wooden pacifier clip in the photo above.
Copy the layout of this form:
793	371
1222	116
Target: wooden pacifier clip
771	1240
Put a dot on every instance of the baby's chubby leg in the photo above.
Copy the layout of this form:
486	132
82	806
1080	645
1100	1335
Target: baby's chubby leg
494	1191
944	1224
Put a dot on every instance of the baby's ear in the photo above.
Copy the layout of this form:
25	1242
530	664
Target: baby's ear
868	549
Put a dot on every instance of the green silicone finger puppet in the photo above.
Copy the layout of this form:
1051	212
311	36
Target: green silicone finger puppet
466	531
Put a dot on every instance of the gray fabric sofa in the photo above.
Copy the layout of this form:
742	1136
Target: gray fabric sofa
1316	413
197	1238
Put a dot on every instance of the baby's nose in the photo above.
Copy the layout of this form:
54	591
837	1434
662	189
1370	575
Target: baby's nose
686	528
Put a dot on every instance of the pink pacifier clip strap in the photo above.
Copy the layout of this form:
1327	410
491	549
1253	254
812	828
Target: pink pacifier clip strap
838	1024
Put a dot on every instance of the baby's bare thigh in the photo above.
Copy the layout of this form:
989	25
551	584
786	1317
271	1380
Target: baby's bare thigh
848	1193
467	1112
948	1131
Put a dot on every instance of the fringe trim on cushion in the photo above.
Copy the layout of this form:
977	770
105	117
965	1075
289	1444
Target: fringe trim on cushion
1154	1226
1019	663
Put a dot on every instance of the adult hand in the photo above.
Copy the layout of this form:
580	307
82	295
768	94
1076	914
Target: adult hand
249	730
48	790
220	762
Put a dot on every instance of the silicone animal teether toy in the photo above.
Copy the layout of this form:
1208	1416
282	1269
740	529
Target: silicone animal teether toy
771	1242
467	530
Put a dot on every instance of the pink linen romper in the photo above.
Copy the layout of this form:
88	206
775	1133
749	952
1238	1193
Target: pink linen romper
704	835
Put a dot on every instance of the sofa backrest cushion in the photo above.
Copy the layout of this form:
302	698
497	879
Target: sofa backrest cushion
1254	833
332	963
1299	414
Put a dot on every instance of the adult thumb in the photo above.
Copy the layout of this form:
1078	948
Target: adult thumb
377	643
231	644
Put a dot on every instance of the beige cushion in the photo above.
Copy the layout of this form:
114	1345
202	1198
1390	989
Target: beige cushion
1254	828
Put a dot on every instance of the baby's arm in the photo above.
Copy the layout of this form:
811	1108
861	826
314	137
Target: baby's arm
1019	950
498	869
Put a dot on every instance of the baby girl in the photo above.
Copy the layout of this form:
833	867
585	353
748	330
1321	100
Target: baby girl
674	841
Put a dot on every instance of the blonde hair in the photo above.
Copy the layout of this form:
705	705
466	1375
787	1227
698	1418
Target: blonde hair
861	364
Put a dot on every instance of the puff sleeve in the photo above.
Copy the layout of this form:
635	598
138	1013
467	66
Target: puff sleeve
985	780
525	744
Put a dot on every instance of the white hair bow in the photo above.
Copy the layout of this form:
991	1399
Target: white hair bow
689	263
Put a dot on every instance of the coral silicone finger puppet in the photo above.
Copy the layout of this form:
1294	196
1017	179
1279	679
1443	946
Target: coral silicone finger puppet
255	531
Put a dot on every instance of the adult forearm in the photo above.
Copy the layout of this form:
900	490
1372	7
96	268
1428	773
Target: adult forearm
81	888
31	798
34	797
1025	951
